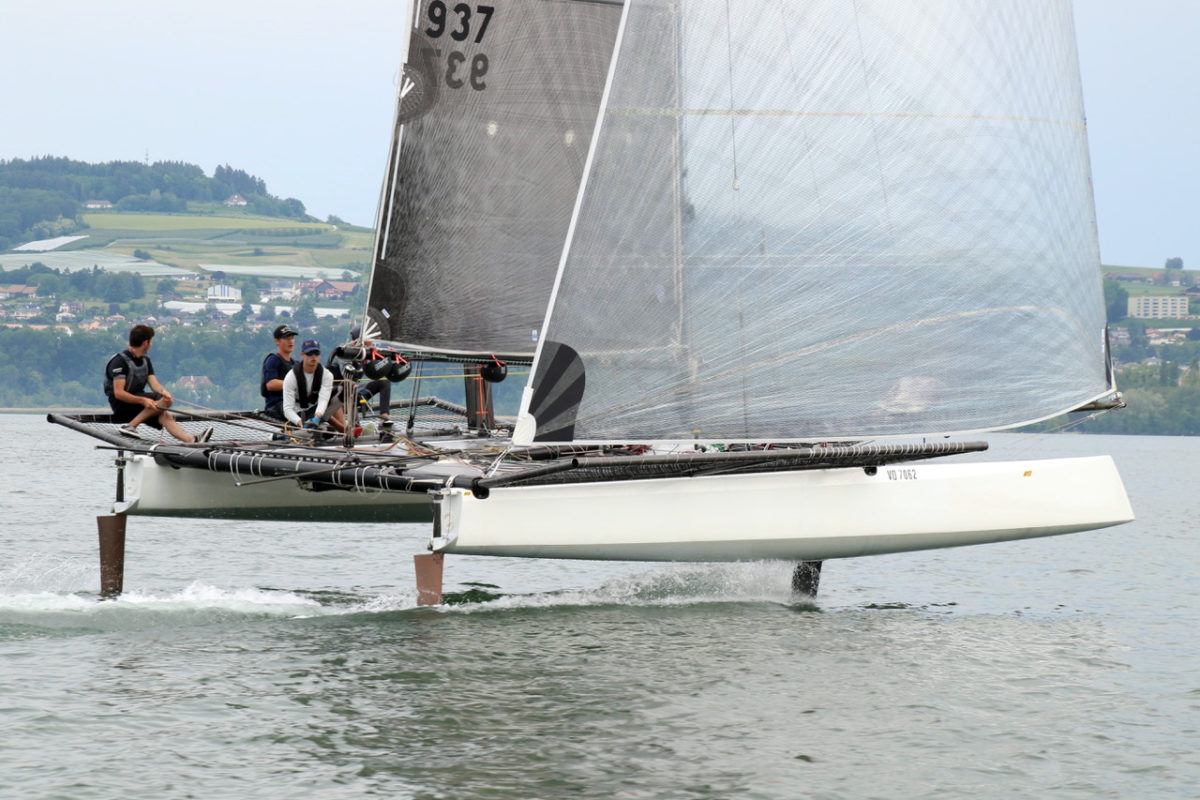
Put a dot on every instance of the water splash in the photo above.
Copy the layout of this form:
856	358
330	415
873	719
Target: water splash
201	603
47	573
682	585
47	613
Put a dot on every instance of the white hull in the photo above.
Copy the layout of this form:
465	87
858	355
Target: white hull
798	516
151	489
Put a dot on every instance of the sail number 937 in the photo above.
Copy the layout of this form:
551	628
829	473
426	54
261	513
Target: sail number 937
459	22
439	13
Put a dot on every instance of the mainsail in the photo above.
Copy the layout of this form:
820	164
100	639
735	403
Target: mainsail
496	109
825	220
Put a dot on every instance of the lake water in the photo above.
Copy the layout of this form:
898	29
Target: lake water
274	660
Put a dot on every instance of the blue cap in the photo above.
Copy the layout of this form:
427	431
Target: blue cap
310	346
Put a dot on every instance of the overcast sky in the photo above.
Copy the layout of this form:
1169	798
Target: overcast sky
300	94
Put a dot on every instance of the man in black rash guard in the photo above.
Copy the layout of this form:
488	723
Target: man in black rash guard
126	378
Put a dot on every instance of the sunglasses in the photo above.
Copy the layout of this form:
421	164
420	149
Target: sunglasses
313	353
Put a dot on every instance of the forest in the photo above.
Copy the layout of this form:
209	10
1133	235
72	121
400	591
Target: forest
1160	399
52	369
42	198
80	284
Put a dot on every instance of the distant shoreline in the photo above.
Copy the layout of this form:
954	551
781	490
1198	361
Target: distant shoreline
58	410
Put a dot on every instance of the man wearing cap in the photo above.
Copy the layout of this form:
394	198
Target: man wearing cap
274	367
307	389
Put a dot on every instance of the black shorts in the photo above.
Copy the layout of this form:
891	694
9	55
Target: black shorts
124	412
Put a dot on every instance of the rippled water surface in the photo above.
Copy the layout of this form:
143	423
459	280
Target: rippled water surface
282	660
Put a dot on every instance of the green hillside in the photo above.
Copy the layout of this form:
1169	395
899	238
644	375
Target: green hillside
188	241
43	198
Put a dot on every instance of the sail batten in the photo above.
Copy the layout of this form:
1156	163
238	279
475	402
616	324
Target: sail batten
780	112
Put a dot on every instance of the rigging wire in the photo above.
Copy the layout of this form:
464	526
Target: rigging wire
227	417
412	409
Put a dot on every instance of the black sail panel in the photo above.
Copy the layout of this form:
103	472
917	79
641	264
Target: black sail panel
497	106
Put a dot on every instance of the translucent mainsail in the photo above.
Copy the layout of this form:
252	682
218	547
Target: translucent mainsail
829	219
497	105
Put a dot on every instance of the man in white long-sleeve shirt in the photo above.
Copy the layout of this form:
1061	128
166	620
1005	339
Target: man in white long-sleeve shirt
307	389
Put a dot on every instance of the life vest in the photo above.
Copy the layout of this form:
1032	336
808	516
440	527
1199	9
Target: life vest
307	402
135	380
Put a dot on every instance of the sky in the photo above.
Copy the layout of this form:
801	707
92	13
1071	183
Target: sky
300	93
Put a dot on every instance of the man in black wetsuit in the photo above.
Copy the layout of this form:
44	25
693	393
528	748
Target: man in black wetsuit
275	368
126	377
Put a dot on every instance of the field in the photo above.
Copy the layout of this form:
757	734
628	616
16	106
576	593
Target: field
1150	290
184	222
202	242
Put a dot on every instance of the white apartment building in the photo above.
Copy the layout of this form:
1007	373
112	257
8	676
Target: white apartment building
1152	307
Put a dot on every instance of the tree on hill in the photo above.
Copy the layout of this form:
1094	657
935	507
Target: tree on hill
237	181
50	284
155	201
1116	300
120	287
43	197
22	211
304	316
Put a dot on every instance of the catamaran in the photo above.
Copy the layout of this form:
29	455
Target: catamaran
765	261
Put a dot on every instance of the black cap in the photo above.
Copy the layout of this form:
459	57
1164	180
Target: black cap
355	332
282	331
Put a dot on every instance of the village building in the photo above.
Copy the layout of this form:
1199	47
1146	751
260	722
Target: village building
68	312
1158	307
1166	335
17	290
224	293
281	290
1130	277
334	290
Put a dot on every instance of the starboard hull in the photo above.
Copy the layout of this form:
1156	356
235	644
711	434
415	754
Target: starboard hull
808	515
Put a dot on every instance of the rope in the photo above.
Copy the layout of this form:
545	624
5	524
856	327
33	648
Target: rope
412	409
229	417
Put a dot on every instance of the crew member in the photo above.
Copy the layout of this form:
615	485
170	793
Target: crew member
274	367
126	377
307	389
